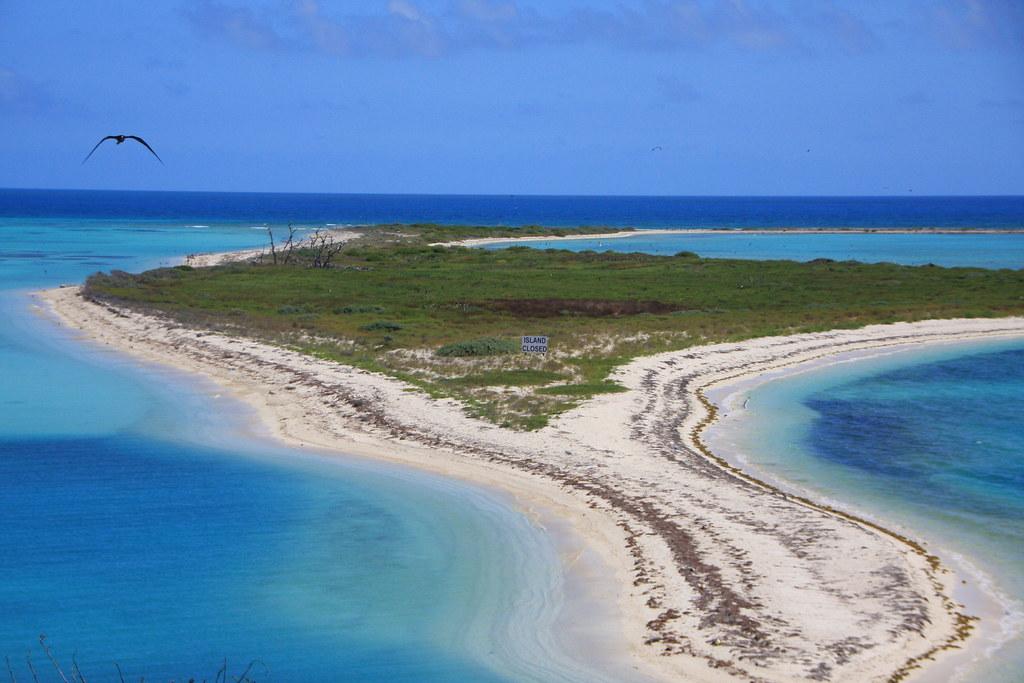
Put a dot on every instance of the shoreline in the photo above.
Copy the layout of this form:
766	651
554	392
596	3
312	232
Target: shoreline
218	258
698	568
588	546
641	232
997	625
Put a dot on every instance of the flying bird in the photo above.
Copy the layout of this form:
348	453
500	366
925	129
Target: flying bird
120	139
656	148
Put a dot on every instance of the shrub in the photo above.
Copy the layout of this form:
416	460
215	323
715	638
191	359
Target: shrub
348	310
382	325
485	346
116	279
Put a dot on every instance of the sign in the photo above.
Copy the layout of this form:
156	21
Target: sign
535	344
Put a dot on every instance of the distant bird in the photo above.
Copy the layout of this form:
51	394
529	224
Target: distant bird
656	148
120	139
808	149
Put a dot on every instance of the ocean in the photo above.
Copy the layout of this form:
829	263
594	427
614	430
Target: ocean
995	213
140	522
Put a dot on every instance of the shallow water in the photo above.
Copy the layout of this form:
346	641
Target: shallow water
973	250
139	524
133	530
931	441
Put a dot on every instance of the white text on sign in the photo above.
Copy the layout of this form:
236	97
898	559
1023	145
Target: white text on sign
535	344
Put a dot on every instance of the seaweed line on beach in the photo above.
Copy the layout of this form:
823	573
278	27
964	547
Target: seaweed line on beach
964	622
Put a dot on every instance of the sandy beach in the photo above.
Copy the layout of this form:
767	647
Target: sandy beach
625	234
339	235
996	609
721	576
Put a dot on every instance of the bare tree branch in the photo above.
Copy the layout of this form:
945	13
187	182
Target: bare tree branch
244	678
324	248
289	245
32	669
75	671
49	655
273	250
223	675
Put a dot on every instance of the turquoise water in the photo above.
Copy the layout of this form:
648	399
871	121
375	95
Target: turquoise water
975	250
36	252
140	524
931	441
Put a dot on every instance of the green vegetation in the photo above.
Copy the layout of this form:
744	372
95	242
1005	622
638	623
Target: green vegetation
348	310
507	378
582	389
487	346
428	233
382	325
455	315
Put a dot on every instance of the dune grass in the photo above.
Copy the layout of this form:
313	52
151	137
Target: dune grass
393	307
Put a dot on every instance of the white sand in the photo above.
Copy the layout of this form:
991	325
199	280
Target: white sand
647	232
999	618
722	577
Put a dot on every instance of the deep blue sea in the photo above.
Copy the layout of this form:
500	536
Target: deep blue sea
640	212
930	440
140	522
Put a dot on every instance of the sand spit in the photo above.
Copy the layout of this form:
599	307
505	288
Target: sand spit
221	257
723	577
622	234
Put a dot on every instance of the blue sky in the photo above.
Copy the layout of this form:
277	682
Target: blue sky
514	96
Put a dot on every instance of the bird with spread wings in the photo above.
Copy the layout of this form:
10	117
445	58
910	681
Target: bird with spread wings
120	139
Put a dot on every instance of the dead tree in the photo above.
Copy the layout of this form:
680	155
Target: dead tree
287	248
31	669
49	655
273	250
324	248
289	245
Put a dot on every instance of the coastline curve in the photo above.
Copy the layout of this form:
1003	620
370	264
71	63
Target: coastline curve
722	576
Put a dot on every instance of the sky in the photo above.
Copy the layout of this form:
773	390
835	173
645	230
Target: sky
652	97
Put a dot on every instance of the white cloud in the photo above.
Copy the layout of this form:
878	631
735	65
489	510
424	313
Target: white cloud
404	9
404	28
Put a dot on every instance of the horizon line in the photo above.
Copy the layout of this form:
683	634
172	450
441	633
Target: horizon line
907	195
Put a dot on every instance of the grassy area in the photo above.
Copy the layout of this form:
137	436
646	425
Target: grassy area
392	307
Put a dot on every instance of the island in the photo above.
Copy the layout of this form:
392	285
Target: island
392	342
